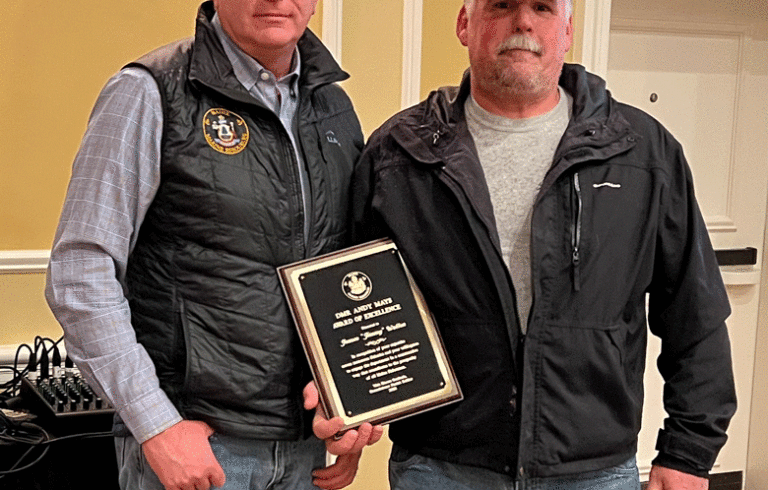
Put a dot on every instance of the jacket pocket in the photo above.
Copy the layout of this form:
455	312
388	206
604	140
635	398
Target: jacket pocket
480	353
587	407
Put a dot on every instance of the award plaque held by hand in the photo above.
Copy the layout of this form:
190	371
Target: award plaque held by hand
372	344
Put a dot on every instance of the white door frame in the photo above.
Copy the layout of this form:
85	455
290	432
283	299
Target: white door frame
596	36
332	27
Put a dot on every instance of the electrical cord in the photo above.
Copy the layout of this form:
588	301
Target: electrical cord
45	354
37	352
34	436
22	434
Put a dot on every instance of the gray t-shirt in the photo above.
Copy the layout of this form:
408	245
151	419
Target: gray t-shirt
515	155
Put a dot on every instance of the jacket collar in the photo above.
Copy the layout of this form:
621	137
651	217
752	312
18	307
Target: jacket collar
596	129
436	134
210	65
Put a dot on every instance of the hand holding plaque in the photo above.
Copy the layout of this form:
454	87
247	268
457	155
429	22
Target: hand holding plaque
374	350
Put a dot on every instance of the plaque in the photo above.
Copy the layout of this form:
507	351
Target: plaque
372	344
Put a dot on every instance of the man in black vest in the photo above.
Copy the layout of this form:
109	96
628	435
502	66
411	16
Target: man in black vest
206	164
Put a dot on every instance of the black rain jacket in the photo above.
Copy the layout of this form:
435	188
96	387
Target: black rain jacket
615	220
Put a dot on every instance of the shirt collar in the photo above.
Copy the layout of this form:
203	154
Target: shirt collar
247	70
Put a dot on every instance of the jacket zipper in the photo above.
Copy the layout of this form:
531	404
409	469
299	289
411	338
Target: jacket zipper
436	136
576	235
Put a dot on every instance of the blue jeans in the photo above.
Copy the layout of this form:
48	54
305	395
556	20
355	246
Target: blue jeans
420	473
248	464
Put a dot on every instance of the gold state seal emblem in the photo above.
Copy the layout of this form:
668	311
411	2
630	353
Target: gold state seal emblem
225	131
356	286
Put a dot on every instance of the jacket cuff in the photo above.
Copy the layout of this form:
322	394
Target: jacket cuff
682	453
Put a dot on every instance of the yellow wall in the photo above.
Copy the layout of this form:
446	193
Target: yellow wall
316	22
56	56
23	312
372	47
54	59
443	58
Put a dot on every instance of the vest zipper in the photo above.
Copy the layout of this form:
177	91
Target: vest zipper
576	235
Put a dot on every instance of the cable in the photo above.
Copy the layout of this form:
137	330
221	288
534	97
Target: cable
45	442
84	435
38	351
25	433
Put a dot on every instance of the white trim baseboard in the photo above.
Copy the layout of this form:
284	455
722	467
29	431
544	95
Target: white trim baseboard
23	261
8	355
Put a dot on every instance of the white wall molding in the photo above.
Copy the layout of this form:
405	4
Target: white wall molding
23	261
595	42
332	27
412	44
722	223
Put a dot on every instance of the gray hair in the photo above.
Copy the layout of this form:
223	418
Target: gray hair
470	4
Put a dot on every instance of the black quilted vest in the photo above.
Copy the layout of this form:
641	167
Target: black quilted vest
205	298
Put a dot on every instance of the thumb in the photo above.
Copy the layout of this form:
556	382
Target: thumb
204	428
311	396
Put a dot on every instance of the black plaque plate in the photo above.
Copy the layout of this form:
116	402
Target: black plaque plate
375	352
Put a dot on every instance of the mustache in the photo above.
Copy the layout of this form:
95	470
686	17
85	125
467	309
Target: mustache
519	41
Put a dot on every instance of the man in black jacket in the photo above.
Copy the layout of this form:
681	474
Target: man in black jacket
530	174
207	164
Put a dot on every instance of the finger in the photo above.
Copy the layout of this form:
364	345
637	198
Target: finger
217	477
311	396
338	475
363	436
334	482
353	441
378	432
324	428
345	444
201	484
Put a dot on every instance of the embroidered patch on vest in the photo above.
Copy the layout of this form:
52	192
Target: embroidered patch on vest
225	131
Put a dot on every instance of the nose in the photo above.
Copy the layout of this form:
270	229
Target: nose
522	19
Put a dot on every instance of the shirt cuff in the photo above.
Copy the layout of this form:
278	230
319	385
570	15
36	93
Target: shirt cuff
149	415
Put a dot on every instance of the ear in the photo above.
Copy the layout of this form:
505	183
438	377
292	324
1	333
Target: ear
569	34
461	25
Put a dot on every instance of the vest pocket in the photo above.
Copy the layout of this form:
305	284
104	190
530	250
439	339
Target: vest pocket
219	369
